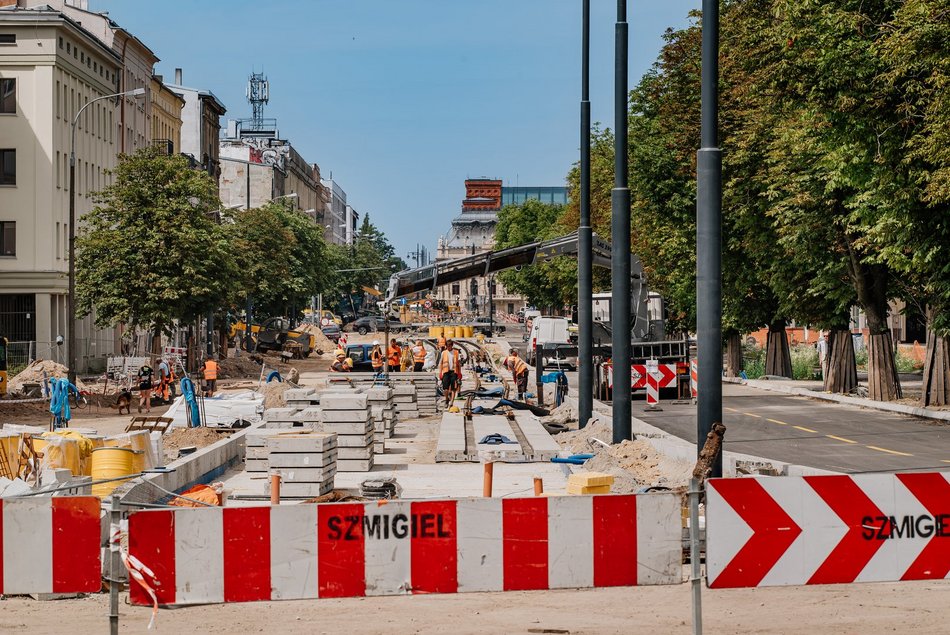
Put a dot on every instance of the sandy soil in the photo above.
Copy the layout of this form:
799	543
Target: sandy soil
908	607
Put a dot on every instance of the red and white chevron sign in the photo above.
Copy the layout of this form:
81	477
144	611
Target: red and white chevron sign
666	376
241	554
788	530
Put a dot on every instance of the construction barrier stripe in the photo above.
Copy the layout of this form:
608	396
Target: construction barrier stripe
638	376
201	556
50	545
827	529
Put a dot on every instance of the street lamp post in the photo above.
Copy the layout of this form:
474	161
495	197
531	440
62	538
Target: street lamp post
585	308
71	298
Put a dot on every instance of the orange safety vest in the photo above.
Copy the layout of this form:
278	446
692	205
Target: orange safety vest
211	369
444	362
517	365
419	354
441	342
394	353
376	356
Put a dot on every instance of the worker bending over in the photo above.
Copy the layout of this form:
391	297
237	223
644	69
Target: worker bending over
340	366
418	357
519	372
450	372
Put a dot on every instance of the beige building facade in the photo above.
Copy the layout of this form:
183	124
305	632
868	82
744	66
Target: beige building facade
165	112
50	66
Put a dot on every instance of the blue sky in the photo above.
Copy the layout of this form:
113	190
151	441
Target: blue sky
403	100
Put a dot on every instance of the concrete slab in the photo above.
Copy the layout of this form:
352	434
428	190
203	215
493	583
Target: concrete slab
484	425
301	490
346	415
342	401
343	428
355	453
355	465
302	443
301	460
306	474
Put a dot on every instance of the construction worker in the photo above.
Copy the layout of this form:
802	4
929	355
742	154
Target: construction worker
450	372
519	372
418	357
339	365
441	343
165	379
376	357
405	361
393	355
145	388
209	371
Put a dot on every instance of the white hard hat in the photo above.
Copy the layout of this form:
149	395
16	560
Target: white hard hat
375	342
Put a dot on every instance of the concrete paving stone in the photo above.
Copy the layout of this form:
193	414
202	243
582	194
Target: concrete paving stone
347	454
379	426
301	490
398	399
308	414
343	401
257	438
379	448
343	428
379	393
308	443
361	438
256	465
298	393
355	465
305	474
302	459
345	416
255	452
401	390
279	425
280	414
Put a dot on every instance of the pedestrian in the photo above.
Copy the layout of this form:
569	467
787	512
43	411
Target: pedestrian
209	371
145	375
376	357
418	357
339	366
164	381
519	372
450	372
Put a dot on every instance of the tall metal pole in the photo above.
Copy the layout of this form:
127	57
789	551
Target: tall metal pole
585	309
620	238
709	239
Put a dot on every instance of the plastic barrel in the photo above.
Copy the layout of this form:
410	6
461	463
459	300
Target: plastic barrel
469	331
110	463
435	332
449	332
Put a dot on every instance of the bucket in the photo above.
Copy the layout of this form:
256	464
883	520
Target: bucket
449	332
435	332
110	463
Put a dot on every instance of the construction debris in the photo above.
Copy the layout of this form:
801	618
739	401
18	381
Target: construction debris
36	372
190	437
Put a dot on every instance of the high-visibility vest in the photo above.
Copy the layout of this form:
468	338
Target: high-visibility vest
445	362
394	352
419	354
441	342
211	369
338	367
376	356
517	365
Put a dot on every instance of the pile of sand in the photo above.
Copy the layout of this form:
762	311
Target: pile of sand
322	344
576	440
274	394
200	437
637	464
243	367
34	374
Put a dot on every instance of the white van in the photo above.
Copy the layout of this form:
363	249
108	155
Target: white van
546	330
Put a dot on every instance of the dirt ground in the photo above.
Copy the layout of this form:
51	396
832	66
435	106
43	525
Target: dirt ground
922	608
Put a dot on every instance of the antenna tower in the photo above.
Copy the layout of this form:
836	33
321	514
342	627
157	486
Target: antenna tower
258	93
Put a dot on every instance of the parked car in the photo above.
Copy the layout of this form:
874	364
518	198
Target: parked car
332	331
550	330
359	353
373	323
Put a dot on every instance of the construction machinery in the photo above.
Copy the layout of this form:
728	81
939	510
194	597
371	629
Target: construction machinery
275	334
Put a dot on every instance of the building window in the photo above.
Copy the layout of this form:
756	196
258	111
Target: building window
60	42
455	288
7	238
8	96
7	167
69	47
7	38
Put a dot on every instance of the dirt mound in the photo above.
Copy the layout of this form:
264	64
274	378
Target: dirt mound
189	437
322	343
274	394
34	374
637	464
576	440
243	367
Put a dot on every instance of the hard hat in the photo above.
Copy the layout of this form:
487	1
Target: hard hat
375	342
348	361
340	353
454	409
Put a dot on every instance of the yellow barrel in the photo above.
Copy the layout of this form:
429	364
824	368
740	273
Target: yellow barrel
449	332
138	461
110	463
481	338
141	443
469	331
435	332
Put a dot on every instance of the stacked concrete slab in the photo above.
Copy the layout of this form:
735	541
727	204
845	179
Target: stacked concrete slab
306	463
383	413
425	383
404	396
255	448
280	417
348	415
301	398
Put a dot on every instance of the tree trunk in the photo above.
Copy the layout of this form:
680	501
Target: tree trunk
156	348
841	370
883	382
733	354
223	343
936	385
778	358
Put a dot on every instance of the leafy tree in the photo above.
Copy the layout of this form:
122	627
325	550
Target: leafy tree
550	284
149	254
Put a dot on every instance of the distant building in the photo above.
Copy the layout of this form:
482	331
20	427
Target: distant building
473	232
338	223
201	125
166	107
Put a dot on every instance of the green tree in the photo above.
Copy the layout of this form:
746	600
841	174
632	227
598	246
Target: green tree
551	284
150	254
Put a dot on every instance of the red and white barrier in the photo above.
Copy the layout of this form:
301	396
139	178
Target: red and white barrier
201	556
694	378
50	545
827	529
653	391
638	376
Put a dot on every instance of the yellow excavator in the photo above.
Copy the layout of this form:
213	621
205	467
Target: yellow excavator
275	334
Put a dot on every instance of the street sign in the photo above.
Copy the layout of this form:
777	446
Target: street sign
775	531
427	304
325	322
652	366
